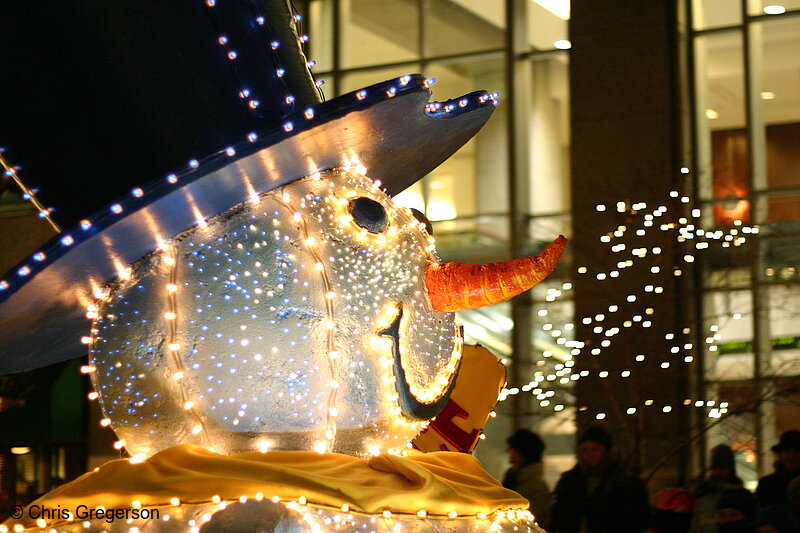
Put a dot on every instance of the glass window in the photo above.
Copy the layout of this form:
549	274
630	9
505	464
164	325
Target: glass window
461	26
781	260
771	7
727	267
716	13
319	21
776	63
729	335
721	117
548	24
549	136
374	33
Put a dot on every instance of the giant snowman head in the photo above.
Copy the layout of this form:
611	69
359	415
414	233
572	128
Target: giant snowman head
299	320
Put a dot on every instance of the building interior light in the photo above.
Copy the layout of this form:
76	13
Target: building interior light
562	44
559	8
711	114
20	450
767	95
774	10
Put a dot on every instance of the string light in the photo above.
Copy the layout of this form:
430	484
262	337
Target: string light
685	230
28	194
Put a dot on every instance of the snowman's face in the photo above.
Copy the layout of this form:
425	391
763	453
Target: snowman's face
300	321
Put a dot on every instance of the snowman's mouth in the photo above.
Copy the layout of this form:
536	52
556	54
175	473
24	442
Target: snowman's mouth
411	407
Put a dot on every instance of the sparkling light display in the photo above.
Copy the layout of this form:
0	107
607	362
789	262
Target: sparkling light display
556	372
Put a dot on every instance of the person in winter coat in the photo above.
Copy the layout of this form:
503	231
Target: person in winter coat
736	511
525	450
774	488
599	495
721	475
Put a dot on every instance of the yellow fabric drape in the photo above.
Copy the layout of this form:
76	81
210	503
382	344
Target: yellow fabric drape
439	482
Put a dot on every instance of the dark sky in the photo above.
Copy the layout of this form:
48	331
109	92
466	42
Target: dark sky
101	96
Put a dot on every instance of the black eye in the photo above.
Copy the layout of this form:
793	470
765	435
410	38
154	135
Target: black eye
369	214
422	218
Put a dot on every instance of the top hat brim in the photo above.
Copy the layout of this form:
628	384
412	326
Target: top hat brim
389	128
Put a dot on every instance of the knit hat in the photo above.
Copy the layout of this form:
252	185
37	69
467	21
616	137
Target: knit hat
527	443
722	457
597	434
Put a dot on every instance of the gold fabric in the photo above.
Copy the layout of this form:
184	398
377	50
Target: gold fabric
439	482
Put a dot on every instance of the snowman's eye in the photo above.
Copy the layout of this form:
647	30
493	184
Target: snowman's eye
369	214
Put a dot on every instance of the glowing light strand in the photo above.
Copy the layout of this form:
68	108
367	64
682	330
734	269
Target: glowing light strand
330	430
44	212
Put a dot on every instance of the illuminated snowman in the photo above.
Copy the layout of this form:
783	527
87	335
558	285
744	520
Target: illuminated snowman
300	320
239	306
297	321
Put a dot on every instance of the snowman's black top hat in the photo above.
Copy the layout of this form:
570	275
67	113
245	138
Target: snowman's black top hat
214	98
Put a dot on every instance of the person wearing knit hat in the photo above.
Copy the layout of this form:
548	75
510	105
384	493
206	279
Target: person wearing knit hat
720	476
525	476
588	497
773	488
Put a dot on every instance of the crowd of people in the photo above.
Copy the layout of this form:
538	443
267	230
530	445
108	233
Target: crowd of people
601	494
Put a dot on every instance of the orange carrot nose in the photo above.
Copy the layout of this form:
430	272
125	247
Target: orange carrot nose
456	286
